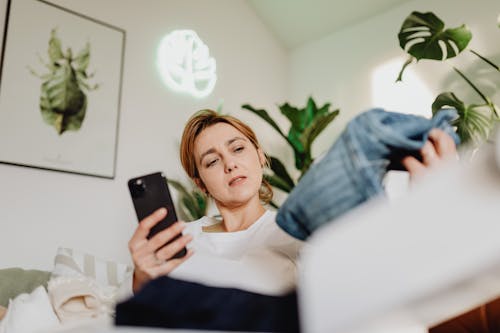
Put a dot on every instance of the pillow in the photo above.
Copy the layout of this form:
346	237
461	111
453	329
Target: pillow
74	263
15	281
106	273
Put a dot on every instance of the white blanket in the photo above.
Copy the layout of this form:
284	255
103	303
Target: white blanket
77	298
29	313
82	291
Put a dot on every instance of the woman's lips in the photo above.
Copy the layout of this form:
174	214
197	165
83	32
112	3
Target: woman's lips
236	180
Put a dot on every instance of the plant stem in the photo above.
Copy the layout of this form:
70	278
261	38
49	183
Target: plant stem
472	85
407	62
485	99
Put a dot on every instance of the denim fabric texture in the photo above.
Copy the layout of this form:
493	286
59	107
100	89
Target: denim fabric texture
352	170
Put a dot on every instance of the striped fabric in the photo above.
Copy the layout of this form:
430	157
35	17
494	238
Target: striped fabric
70	262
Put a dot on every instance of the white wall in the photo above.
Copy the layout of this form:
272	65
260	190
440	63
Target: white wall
340	68
41	210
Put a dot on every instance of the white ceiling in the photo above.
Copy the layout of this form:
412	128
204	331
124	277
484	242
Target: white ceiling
295	22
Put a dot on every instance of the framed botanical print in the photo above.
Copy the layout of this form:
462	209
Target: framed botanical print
60	89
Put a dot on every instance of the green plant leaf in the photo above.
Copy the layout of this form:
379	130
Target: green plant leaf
297	117
302	120
486	60
279	170
473	124
179	187
310	112
192	203
188	210
278	182
306	124
447	99
201	203
264	115
273	204
322	110
422	33
316	127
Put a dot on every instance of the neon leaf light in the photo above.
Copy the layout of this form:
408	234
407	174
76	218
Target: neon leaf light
185	64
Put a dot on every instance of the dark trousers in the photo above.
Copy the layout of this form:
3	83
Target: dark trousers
166	302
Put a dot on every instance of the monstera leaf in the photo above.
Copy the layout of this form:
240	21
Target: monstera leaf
474	122
423	36
422	33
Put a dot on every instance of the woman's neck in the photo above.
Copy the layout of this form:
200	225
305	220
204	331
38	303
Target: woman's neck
241	217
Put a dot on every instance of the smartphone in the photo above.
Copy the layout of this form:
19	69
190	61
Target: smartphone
149	193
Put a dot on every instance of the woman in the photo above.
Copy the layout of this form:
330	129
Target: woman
245	249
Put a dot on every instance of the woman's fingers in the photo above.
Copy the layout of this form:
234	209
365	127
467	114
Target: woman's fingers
146	253
170	250
438	148
443	143
168	266
429	154
141	232
413	166
153	257
165	236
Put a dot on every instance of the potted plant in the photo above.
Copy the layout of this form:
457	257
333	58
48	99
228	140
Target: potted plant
423	36
305	125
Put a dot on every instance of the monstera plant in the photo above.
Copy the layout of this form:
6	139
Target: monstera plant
63	102
306	124
423	36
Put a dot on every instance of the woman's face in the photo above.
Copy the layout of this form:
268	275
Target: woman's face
229	165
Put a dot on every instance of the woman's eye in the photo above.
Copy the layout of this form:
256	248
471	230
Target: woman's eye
238	149
210	163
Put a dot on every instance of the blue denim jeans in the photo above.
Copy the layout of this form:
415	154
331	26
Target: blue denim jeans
352	170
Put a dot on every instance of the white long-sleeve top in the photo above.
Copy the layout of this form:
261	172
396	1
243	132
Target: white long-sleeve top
261	259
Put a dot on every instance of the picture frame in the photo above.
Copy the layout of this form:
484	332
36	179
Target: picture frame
60	89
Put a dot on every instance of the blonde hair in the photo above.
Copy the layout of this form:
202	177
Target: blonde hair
204	119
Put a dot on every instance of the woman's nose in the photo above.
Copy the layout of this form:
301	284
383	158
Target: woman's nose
230	165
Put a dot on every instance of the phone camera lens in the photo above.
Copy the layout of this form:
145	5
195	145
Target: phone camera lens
138	188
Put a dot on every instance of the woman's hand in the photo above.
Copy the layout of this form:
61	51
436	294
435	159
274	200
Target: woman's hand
151	257
439	148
